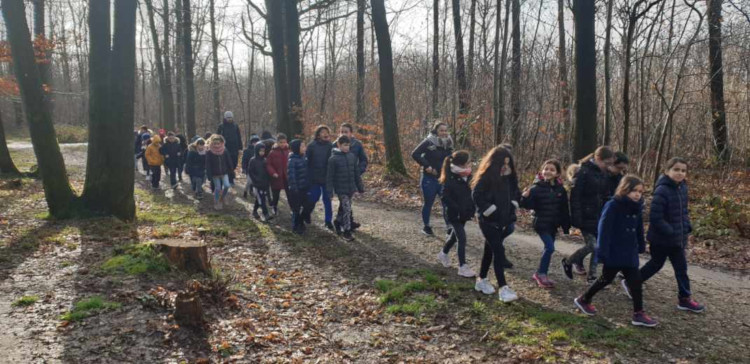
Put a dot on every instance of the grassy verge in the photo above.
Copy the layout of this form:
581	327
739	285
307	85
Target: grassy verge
25	301
87	308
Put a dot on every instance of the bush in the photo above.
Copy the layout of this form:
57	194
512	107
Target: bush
721	217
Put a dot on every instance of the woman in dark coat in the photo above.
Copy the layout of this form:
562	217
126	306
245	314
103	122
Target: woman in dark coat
430	154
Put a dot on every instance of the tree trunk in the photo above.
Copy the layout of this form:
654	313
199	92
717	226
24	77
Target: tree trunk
500	115
187	309
394	161
57	189
39	33
291	43
608	75
275	21
585	138
718	114
361	7
179	69
472	34
170	117
250	84
496	76
436	58
167	103
215	92
563	70
6	162
515	80
186	255
187	48
626	83
463	95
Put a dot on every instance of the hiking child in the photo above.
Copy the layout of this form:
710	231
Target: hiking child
548	199
299	185
344	180
587	198
358	150
155	160
430	154
218	168
495	192
247	155
232	139
276	165
137	144
619	241
459	207
256	171
172	152
318	153
196	166
668	231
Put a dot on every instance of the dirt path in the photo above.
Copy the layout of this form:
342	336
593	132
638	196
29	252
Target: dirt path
333	283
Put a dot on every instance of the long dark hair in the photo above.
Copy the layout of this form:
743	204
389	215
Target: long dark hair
491	166
459	158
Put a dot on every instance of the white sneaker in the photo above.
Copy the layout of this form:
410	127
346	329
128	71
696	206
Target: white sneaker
148	178
444	259
484	286
507	295
465	271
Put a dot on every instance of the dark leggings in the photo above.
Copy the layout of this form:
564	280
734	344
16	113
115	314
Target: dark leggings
275	194
494	251
457	234
676	255
632	278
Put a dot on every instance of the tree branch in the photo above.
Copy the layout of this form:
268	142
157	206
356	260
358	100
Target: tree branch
327	21
257	8
251	39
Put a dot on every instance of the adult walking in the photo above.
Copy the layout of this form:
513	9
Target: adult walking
358	151
587	198
233	140
318	152
430	154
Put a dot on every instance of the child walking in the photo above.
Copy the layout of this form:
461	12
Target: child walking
196	166
549	201
459	207
218	168
256	171
619	242
343	178
247	155
172	152
276	165
669	229
318	153
496	194
155	160
299	184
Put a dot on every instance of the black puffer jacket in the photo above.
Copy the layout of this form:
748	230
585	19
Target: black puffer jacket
587	198
232	136
318	152
256	169
343	176
501	196
613	180
218	165
431	153
459	207
669	222
550	204
172	152
196	163
297	173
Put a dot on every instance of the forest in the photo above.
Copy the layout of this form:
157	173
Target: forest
87	247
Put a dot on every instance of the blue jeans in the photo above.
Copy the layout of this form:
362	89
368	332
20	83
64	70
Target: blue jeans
316	191
549	248
431	188
196	183
676	255
219	182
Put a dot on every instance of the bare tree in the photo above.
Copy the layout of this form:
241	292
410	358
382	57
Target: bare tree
718	112
463	94
585	133
215	62
187	48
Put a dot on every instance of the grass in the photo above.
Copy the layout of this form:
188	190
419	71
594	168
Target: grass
136	259
88	307
25	301
416	293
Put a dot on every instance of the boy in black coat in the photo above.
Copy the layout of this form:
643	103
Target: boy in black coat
247	155
343	178
172	152
256	172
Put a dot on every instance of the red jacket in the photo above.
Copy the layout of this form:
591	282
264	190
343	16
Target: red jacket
276	163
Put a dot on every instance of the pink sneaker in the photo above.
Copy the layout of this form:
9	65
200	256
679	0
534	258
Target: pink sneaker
641	319
687	304
586	308
579	269
543	281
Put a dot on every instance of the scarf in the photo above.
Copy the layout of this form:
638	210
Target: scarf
446	143
463	172
201	152
217	149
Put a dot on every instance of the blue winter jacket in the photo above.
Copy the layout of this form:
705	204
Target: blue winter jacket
297	173
318	152
669	223
620	237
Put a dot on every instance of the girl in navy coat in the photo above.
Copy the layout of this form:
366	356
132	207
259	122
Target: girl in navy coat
669	229
619	242
459	207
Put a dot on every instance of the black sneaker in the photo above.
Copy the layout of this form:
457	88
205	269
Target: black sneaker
427	231
567	268
330	226
348	236
355	225
244	194
337	227
255	215
307	219
507	264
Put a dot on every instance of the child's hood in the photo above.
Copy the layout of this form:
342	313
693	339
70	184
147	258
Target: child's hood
156	139
338	151
258	148
664	180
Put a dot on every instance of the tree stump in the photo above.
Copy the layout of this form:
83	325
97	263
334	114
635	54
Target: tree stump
188	311
191	256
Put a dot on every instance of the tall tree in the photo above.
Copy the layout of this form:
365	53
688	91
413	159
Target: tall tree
463	94
497	121
215	62
472	35
435	57
563	74
39	33
187	49
291	43
167	103
500	113
585	132
361	7
179	68
57	189
6	162
608	74
718	113
275	22
394	161
515	78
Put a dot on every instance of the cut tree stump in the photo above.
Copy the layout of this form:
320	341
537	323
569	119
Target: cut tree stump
191	256
187	309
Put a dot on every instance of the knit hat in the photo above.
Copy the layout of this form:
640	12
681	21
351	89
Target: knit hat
295	146
228	115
